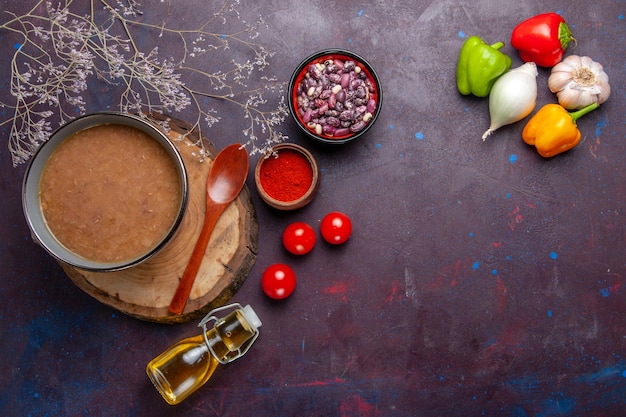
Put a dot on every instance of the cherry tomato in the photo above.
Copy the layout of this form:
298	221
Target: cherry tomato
336	227
278	281
299	238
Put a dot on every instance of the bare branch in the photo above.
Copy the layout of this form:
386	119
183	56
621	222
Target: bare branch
61	52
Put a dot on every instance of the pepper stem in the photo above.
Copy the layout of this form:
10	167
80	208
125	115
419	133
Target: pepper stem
497	45
577	114
565	35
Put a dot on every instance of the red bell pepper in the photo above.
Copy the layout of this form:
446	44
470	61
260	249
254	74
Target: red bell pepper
542	39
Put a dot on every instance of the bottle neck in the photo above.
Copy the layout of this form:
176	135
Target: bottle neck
228	336
216	345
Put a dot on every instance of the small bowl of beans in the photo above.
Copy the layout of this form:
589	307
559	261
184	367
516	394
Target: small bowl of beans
335	96
288	177
105	192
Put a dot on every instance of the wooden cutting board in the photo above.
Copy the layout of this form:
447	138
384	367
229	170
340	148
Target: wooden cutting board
145	291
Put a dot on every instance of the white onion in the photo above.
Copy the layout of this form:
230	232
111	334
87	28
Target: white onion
513	97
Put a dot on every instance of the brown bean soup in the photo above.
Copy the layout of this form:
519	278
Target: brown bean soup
110	193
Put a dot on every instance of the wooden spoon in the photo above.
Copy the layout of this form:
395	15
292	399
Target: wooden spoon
226	178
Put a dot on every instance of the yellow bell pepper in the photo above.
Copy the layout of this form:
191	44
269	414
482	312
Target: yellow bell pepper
552	130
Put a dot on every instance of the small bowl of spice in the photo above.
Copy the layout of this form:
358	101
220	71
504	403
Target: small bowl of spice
105	192
335	96
288	177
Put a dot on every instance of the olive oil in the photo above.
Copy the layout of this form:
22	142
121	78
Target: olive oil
190	363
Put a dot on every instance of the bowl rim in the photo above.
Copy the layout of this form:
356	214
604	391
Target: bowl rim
307	197
33	213
302	67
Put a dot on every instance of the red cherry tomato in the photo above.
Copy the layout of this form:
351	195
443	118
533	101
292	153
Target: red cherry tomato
278	281
299	238
336	227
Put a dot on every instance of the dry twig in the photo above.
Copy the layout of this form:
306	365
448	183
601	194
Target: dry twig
61	52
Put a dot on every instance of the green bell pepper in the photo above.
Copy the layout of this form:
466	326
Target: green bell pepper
479	66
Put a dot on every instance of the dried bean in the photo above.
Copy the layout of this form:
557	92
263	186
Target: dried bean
346	115
332	121
314	72
358	126
345	80
371	105
334	78
309	82
332	100
325	94
332	68
328	130
306	117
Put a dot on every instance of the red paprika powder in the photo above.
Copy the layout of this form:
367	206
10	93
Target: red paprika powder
286	177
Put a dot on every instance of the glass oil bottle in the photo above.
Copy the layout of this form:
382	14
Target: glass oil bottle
188	364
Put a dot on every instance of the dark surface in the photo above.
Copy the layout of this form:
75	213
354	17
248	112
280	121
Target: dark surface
480	279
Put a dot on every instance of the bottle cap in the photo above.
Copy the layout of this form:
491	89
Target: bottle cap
251	316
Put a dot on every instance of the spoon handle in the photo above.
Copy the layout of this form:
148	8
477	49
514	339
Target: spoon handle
212	215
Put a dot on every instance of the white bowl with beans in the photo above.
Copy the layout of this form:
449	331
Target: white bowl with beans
335	96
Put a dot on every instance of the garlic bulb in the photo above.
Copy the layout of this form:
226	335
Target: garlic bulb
579	81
